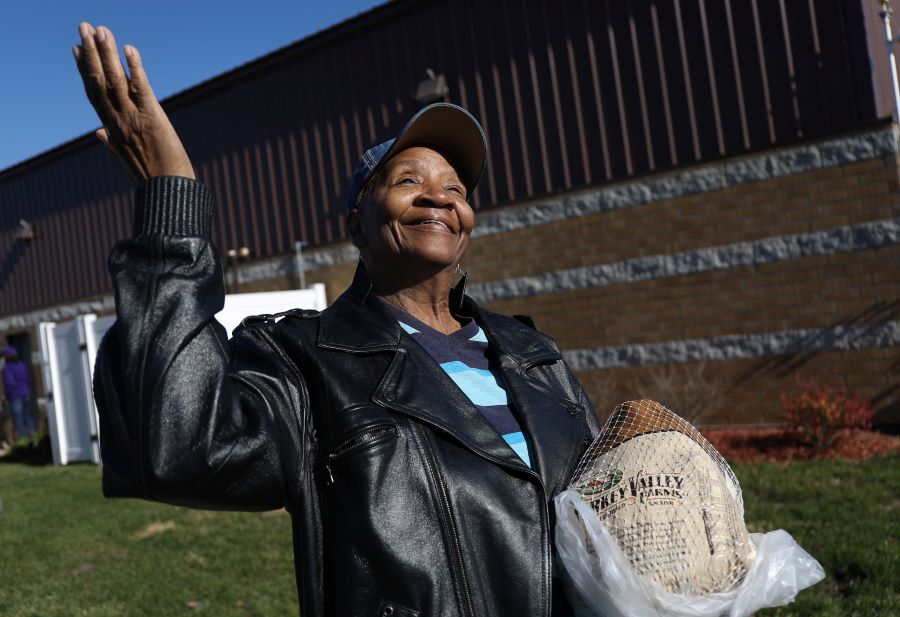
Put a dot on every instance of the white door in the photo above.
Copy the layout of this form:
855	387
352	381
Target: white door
70	409
51	386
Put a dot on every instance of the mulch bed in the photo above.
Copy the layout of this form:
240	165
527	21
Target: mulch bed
776	445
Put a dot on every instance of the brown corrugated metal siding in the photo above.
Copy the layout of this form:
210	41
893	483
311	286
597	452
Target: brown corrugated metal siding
571	94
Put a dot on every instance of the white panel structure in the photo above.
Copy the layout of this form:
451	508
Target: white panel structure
239	306
70	408
48	352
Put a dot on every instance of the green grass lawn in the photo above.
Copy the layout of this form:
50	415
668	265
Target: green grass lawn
847	516
67	551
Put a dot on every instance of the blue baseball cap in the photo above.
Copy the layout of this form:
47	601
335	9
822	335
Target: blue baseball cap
446	127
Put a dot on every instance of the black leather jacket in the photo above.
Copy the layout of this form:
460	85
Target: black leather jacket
404	500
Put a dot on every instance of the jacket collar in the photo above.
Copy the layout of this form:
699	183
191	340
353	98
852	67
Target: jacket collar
355	324
361	287
512	338
351	324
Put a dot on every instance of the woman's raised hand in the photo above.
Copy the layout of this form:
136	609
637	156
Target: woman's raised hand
135	127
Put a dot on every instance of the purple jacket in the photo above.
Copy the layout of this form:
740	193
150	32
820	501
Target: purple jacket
16	379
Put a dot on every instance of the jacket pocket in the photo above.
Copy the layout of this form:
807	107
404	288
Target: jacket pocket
391	609
363	440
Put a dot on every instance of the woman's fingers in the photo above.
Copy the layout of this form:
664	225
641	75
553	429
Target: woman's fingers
139	85
90	67
103	135
135	126
88	62
80	63
104	77
113	72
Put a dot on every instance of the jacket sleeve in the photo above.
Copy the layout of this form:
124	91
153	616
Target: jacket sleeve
188	416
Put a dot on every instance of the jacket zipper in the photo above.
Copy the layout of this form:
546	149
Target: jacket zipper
454	533
548	554
545	513
356	442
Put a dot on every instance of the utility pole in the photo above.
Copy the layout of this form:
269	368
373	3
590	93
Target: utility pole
886	12
301	267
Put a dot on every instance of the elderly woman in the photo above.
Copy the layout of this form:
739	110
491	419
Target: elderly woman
415	438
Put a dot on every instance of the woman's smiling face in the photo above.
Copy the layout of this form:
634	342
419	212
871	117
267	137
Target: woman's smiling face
416	217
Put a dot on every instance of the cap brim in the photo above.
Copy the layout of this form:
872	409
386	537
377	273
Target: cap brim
453	132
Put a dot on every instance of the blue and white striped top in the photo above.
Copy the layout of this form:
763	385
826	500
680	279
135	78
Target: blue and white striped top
465	358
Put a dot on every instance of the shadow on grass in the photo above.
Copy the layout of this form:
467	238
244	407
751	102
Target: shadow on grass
31	454
849	577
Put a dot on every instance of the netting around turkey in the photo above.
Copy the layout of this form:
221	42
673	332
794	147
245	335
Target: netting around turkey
668	498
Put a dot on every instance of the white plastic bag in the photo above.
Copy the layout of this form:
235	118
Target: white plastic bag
608	585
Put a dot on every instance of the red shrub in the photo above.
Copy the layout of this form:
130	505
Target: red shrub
821	412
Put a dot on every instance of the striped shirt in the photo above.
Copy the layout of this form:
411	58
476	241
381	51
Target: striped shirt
465	357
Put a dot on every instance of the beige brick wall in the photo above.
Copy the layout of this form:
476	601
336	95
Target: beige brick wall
802	293
847	288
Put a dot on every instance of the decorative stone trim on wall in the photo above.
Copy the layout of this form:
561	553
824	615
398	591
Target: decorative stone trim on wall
861	237
320	258
63	312
738	346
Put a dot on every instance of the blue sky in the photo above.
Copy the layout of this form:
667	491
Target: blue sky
42	103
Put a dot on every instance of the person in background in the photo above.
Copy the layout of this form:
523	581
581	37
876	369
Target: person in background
17	385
